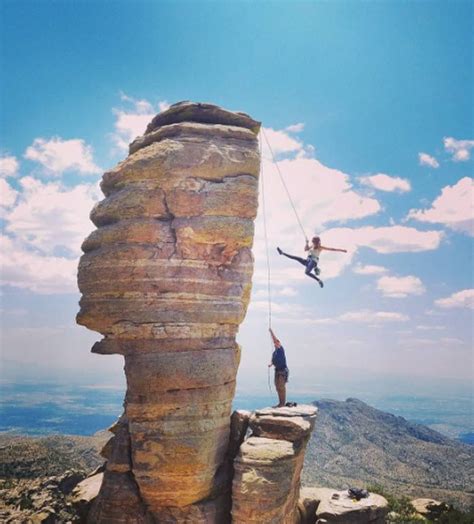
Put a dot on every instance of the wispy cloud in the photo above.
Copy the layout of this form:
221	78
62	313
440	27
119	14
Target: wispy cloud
27	269
8	166
369	270
8	197
49	217
295	128
460	299
400	287
385	240
459	149
369	317
387	183
57	155
427	160
454	208
132	118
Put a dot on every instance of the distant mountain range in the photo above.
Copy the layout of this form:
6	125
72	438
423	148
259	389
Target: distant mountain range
30	457
354	444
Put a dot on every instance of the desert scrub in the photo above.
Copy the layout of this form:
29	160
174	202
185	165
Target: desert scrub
400	510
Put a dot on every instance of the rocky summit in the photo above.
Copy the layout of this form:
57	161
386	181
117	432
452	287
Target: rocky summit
354	444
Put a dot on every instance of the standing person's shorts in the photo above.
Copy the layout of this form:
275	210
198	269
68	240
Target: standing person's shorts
282	375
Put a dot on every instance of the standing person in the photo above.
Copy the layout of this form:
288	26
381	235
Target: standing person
281	370
311	262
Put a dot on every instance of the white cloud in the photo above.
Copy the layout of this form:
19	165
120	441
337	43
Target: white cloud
400	287
427	160
460	149
321	195
45	227
385	240
295	128
296	314
286	309
280	142
286	291
57	156
163	106
454	208
8	166
50	217
460	299
387	183
369	270
369	317
25	269
131	122
8	196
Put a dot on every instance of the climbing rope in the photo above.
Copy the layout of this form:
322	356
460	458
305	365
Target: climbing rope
265	234
284	183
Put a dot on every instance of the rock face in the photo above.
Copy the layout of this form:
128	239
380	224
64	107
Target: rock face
268	467
324	505
166	279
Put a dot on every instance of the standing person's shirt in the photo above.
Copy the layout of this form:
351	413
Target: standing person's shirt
314	253
279	359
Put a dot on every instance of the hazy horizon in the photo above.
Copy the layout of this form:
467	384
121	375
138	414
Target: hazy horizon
368	108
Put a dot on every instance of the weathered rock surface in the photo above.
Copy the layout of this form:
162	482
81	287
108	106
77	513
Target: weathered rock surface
267	469
85	493
324	505
166	279
37	500
429	508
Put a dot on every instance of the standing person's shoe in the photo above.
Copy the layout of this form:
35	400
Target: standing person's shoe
321	283
279	251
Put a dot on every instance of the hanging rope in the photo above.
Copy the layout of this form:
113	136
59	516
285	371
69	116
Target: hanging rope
269	289
284	183
265	234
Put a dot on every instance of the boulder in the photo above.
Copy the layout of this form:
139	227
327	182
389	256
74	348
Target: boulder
429	508
85	493
338	507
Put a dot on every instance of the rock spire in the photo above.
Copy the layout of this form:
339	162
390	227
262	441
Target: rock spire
166	279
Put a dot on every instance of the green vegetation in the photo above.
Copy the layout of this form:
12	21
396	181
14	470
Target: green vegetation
402	512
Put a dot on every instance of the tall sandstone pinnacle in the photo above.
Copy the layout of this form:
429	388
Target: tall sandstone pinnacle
166	279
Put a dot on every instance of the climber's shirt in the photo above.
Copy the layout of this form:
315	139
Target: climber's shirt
279	359
314	253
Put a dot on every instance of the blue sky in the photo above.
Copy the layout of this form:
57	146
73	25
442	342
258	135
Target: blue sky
369	108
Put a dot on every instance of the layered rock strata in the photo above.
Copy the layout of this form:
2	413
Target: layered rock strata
166	279
267	469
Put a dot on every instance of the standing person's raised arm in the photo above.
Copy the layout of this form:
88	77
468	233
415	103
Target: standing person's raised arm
276	342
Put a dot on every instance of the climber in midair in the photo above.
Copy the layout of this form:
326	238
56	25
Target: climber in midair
311	262
281	370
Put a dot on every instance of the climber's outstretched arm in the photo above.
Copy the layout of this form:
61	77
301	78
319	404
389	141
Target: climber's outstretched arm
333	249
